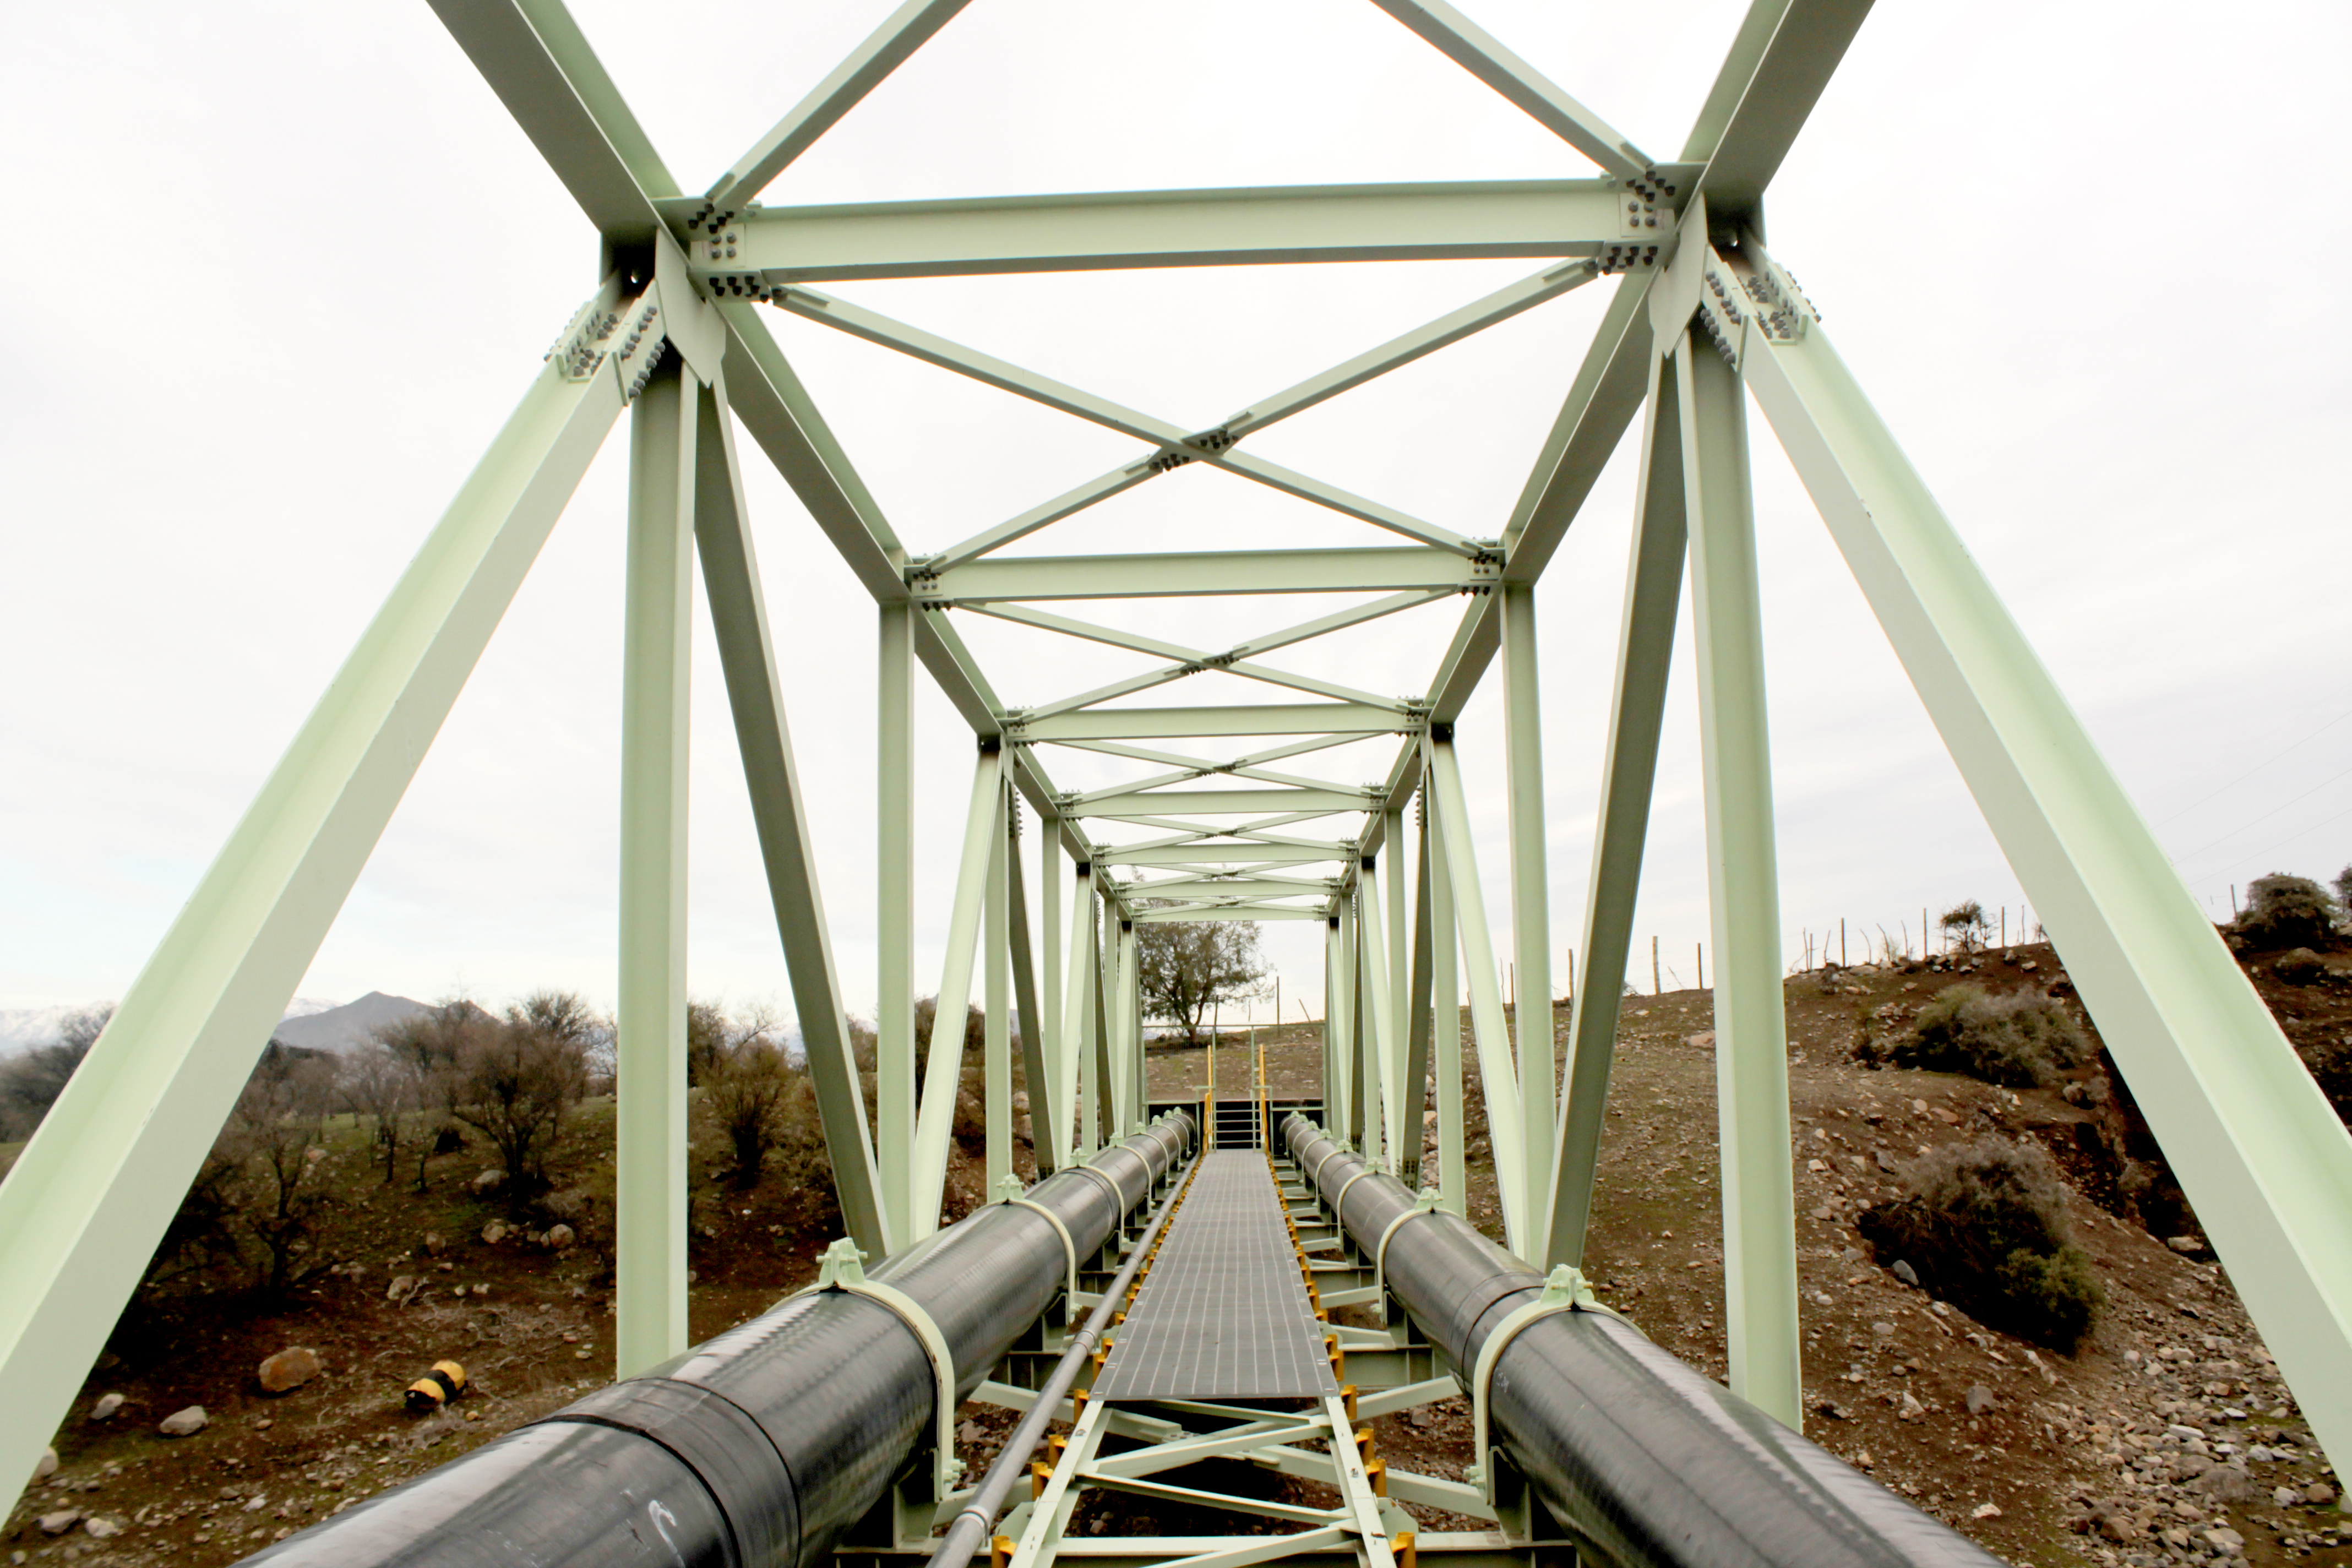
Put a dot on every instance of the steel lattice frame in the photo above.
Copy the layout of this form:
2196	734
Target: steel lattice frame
675	334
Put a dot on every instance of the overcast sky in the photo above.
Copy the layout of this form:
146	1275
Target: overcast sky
279	271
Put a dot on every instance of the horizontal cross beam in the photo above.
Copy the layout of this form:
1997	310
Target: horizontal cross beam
1168	723
1379	569
765	249
1216	802
1212	855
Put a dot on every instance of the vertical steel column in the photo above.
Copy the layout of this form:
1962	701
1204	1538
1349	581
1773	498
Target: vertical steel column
649	1065
1530	896
1352	1022
1036	1073
1131	992
1100	1012
894	902
1403	1107
1077	1021
1414	1074
1445	1017
996	1043
1645	643
1335	1116
1051	1039
1380	1049
1751	1048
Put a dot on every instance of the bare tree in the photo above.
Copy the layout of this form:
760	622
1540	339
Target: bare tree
1965	924
749	1087
383	1082
1185	968
514	1078
272	1138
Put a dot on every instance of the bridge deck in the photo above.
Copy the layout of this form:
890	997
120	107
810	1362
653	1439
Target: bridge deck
1223	1315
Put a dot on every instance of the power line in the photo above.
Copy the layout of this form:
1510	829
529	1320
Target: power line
2291	837
2267	816
2257	767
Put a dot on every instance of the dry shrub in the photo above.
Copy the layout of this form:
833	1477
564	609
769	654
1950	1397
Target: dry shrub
2286	911
2021	1039
1984	1225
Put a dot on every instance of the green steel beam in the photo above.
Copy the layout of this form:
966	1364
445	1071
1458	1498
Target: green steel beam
1036	1026
884	50
1052	1020
894	835
1777	91
649	1084
1192	888
1498	1076
1530	896
747	656
1174	724
1467	45
1237	912
1177	446
534	57
1381	569
775	248
1751	1044
943	1062
1220	801
88	1200
1646	641
2259	1151
996	1043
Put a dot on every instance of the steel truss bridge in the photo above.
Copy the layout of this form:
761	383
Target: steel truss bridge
826	1424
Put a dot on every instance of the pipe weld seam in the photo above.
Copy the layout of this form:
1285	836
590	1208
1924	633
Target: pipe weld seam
728	1451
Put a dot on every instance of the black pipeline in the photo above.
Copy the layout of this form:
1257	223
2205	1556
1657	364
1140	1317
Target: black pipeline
1652	1461
758	1448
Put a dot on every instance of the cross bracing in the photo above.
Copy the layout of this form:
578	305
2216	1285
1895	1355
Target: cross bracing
1701	317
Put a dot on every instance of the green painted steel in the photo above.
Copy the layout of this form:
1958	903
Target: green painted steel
1751	1044
894	1007
85	1205
1530	898
943	1062
1380	570
1645	642
777	248
2260	1152
649	1174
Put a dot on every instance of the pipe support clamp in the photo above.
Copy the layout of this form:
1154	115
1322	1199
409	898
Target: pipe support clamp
841	1270
1070	1256
1424	1202
1565	1291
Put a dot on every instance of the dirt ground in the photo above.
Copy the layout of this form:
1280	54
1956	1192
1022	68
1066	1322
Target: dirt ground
2044	1459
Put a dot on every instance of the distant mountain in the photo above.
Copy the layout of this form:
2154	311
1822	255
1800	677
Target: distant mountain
25	1026
351	1025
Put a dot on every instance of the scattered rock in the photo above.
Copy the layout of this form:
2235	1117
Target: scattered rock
289	1369
1985	1511
2284	1496
401	1286
101	1528
57	1523
1705	1041
1980	1399
1912	1409
2227	1483
1864	1461
1884	1331
1021	1100
970	1432
45	1465
1886	1161
488	1182
560	1236
435	1243
494	1233
1905	1272
108	1403
2226	1541
184	1423
2187	1245
2317	1492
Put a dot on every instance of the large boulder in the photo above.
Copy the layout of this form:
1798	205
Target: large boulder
184	1423
291	1369
108	1403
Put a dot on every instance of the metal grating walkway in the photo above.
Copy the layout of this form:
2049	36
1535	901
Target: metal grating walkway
1223	1315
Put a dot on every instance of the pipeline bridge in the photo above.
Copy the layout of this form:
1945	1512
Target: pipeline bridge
1165	1288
